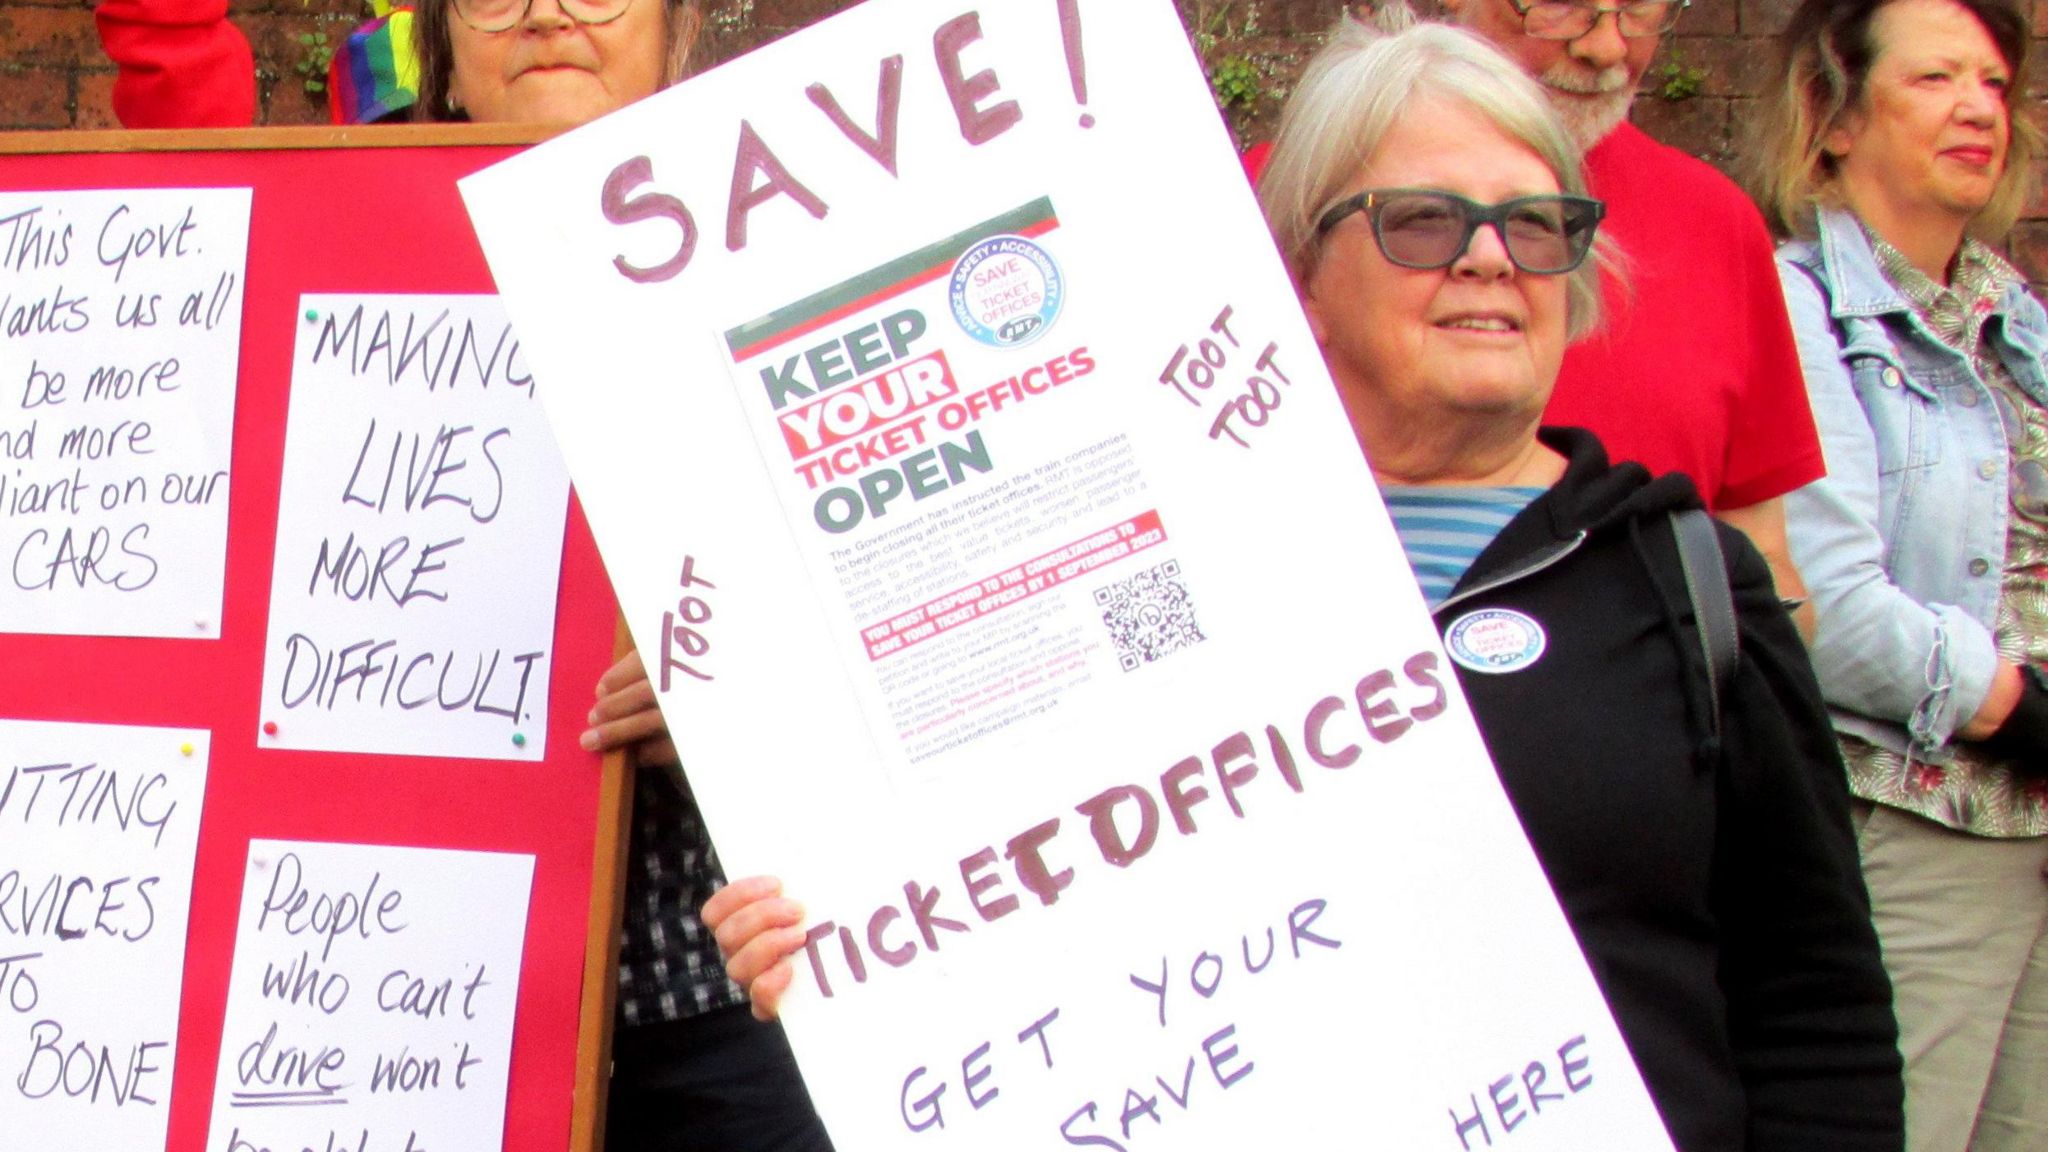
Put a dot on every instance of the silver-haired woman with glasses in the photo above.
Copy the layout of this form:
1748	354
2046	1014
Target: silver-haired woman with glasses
1695	827
1688	806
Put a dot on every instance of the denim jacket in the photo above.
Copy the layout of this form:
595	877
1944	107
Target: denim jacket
1902	545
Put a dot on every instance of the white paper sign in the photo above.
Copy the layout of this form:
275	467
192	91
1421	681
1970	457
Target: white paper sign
419	536
98	827
120	335
1014	589
371	1002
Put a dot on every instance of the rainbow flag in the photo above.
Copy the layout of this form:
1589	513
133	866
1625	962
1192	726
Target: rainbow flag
376	73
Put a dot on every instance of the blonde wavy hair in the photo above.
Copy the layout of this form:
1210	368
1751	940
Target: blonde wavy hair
1823	59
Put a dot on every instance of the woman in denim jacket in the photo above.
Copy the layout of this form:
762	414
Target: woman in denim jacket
1890	155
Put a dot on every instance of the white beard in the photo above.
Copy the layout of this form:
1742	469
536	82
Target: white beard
1591	104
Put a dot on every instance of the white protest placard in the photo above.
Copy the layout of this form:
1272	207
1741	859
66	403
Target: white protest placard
120	336
370	1006
98	827
419	536
1014	589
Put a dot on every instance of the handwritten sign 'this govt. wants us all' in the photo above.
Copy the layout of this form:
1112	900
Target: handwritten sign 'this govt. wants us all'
120	333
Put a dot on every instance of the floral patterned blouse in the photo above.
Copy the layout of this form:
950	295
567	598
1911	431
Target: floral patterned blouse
1974	792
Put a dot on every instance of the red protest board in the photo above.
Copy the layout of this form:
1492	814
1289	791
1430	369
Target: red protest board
356	211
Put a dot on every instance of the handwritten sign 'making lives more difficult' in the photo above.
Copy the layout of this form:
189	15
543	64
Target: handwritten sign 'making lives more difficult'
98	827
120	329
419	535
370	1007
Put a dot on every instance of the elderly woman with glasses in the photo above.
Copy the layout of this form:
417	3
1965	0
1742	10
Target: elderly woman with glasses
1695	827
548	61
1892	155
182	64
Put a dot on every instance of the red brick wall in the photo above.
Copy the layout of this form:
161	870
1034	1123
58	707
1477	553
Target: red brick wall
53	75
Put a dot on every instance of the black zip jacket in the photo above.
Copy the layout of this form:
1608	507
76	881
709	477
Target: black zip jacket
1713	884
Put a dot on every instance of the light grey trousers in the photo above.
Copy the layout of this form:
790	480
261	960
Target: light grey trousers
1964	924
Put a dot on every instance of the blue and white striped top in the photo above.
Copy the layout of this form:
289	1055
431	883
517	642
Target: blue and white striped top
1444	530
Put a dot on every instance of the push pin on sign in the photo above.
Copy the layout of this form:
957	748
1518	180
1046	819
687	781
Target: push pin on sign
519	739
312	317
270	727
185	749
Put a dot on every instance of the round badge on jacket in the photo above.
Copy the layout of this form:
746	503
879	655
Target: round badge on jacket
1495	640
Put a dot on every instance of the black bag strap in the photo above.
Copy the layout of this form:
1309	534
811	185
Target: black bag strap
1713	604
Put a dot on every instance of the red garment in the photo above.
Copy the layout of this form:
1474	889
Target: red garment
1254	160
183	65
1694	369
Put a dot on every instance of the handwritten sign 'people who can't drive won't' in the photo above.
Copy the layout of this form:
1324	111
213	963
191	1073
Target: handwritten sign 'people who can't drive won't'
1014	589
371	1002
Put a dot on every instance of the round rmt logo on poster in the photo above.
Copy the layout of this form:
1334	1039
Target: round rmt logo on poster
1495	640
1006	291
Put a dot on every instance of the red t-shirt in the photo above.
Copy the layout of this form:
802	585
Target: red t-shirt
1693	369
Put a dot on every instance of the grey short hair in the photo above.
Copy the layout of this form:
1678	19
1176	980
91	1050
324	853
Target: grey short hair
1367	77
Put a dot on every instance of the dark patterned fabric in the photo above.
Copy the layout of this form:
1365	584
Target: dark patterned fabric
669	967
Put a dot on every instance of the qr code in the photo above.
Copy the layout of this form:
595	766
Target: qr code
1149	615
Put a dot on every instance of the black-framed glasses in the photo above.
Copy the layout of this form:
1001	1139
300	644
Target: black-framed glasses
503	15
1425	229
1571	19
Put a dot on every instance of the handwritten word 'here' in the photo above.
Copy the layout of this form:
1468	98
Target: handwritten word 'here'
759	175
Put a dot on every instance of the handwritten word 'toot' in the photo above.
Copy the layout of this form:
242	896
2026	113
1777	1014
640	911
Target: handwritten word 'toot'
686	637
1197	370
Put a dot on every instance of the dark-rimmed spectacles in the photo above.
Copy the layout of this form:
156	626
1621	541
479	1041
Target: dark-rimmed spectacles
1571	19
1424	229
490	16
